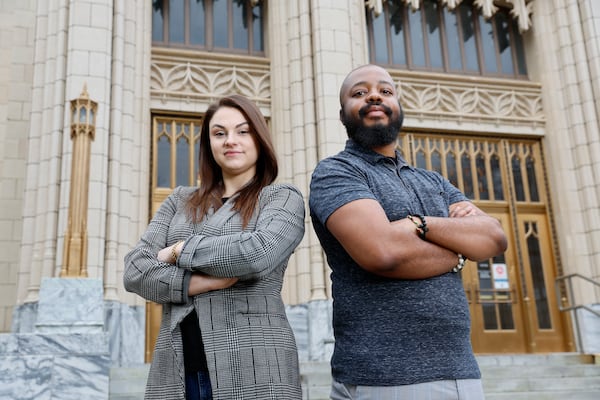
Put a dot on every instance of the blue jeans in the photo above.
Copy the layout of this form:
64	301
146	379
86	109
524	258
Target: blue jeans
197	386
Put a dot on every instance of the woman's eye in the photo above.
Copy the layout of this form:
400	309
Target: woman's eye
218	133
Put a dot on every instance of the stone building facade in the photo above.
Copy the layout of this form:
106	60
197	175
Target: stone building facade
524	144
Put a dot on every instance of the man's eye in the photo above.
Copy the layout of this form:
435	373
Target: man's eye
387	91
358	93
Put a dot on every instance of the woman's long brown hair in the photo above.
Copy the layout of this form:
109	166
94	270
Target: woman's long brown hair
211	189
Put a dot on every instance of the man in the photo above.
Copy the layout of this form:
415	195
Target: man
395	237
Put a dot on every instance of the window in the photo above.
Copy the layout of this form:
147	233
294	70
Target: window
475	165
175	144
229	26
436	39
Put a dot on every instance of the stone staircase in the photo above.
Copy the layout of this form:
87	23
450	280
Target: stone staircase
541	377
569	376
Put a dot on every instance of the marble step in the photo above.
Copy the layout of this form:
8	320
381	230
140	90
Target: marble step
505	377
540	377
128	383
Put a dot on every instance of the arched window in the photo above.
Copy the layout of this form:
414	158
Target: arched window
229	26
437	39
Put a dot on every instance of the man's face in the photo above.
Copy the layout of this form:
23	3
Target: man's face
370	110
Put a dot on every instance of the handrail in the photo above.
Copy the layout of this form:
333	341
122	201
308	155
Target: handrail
570	306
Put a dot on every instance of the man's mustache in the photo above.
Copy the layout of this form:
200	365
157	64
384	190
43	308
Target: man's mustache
365	109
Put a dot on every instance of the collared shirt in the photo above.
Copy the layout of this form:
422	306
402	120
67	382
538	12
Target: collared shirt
358	173
390	331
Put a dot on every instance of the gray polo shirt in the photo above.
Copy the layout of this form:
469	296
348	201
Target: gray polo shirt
390	331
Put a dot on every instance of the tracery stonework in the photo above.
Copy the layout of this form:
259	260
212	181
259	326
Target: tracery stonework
178	76
501	104
182	79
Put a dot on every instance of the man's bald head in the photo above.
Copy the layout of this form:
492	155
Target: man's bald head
353	78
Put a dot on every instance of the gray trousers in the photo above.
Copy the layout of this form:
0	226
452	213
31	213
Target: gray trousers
461	389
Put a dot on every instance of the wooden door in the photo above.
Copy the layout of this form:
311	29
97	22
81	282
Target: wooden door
544	321
492	289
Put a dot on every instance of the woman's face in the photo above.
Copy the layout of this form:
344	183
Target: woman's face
233	144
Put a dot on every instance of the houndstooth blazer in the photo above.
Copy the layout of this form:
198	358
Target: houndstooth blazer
249	345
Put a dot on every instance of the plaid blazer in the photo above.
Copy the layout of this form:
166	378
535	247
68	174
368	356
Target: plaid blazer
249	345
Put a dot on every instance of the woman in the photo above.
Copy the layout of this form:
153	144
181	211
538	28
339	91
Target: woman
214	257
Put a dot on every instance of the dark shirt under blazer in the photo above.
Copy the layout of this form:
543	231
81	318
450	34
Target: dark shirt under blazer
249	345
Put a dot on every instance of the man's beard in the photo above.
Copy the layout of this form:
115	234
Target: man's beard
377	135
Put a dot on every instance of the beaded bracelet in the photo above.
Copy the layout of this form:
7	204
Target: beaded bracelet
460	265
422	228
413	220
